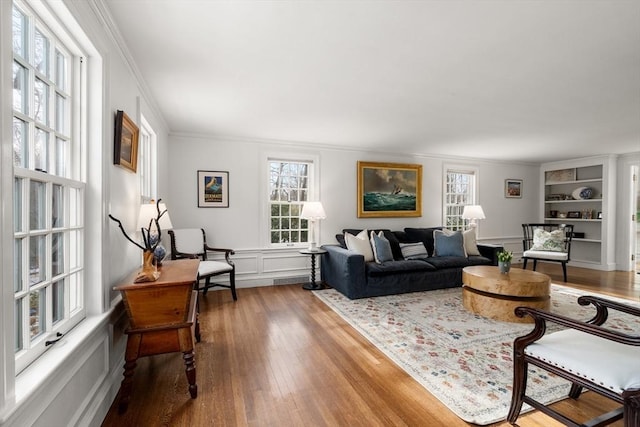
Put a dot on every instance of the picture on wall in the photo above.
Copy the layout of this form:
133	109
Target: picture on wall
213	189
513	188
389	190
125	147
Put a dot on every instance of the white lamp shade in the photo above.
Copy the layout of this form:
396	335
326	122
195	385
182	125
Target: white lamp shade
312	211
149	211
473	212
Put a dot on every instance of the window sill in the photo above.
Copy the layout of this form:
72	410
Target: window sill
41	371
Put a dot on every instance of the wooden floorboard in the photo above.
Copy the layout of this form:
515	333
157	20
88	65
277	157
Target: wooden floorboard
280	357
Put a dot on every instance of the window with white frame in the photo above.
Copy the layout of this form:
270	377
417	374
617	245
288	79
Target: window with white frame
460	190
49	189
290	185
147	161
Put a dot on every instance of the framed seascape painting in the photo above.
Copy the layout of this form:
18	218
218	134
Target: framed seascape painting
125	147
213	189
389	190
513	188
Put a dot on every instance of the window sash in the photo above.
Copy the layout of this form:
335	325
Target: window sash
48	191
289	187
460	190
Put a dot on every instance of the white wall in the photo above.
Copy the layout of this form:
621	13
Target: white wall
240	226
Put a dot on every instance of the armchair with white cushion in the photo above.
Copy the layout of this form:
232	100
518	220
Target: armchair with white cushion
547	242
192	243
589	354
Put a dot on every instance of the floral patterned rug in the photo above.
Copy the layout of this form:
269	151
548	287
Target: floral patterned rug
464	360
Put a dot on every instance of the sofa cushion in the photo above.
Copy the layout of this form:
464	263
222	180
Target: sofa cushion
359	244
441	262
381	247
424	235
446	244
413	250
397	267
470	243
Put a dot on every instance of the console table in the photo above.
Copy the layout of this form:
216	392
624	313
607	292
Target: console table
163	318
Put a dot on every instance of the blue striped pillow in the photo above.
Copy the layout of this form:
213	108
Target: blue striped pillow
413	250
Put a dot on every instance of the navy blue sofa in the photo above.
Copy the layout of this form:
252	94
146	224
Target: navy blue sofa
347	272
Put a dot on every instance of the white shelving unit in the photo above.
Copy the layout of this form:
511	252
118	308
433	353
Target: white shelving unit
593	217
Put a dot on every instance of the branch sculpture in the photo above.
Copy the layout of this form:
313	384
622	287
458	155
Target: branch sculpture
149	272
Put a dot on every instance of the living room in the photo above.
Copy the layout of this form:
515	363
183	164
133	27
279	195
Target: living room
498	104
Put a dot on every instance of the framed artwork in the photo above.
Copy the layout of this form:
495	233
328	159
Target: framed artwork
574	214
513	188
561	175
213	189
125	147
389	190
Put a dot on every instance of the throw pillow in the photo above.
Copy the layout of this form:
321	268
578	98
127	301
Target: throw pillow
544	240
381	248
470	243
413	250
448	244
359	244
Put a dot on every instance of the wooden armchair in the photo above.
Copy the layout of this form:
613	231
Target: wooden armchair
547	242
192	243
589	355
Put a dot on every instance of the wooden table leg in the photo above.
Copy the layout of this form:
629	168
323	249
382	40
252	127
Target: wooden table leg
190	370
130	358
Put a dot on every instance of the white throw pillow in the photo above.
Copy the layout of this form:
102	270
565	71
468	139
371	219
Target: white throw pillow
359	244
470	243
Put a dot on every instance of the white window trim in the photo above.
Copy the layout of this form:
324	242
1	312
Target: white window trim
19	391
152	157
458	167
314	192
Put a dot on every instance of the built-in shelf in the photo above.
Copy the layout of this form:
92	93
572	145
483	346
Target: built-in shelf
559	180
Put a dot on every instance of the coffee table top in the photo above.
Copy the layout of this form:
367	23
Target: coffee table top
517	282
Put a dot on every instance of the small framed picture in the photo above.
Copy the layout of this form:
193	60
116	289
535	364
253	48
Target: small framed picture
599	215
513	188
213	189
574	214
125	146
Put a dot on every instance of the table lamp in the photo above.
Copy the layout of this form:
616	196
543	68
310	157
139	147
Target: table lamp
473	213
312	211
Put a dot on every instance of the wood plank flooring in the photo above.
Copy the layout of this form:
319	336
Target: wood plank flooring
279	357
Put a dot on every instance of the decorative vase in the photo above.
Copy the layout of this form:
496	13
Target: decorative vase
149	272
504	266
159	254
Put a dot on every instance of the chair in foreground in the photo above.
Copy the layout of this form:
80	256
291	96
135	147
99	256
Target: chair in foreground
547	242
587	354
192	243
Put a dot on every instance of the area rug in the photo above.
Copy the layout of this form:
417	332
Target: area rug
464	360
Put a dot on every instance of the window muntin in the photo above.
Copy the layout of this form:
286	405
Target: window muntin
48	191
460	190
289	188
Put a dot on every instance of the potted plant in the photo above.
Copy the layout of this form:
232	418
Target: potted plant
504	260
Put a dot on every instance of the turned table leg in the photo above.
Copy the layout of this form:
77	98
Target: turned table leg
190	370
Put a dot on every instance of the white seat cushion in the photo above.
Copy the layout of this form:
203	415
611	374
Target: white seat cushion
213	267
607	363
556	256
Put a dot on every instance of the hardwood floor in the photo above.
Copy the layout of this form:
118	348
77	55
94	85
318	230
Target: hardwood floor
279	357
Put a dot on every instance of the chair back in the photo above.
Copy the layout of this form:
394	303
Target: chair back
187	241
529	232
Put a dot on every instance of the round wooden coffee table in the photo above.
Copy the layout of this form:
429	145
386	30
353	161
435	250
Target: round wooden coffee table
489	293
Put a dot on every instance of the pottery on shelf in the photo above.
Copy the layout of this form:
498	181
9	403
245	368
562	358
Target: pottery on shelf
582	193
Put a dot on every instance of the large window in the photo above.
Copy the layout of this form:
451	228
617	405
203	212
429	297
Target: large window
460	190
289	186
147	162
48	208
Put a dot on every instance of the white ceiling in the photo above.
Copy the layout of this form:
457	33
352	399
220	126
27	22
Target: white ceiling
508	80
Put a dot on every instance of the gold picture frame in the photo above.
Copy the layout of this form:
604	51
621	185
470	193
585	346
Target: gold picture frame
389	190
125	147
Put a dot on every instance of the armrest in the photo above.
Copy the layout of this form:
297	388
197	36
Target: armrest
227	252
344	270
490	251
601	305
183	255
542	317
